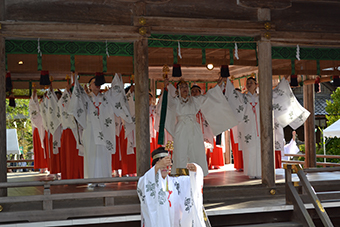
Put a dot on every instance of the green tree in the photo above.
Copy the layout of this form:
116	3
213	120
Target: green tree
18	118
333	110
333	107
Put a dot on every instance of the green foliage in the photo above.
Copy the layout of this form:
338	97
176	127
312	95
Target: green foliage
26	92
333	107
18	118
332	144
332	148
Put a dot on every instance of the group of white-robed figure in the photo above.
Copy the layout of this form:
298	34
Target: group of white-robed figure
223	107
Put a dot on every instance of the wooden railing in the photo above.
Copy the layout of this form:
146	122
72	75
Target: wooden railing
49	210
316	198
20	167
324	164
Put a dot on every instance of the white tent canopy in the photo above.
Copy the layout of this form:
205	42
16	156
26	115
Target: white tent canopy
12	141
333	130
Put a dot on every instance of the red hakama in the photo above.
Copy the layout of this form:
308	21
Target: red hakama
53	160
71	163
40	161
237	154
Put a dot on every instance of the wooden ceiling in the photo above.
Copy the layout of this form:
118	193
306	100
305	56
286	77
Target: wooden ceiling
312	23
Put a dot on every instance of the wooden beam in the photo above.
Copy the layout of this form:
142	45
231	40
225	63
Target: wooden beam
270	4
68	31
2	10
202	26
180	22
3	149
266	116
301	72
308	102
322	80
307	38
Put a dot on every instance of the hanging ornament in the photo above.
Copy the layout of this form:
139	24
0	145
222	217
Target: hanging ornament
225	71
45	78
179	50
165	71
107	49
293	81
317	85
9	85
39	51
336	80
12	100
236	52
298	52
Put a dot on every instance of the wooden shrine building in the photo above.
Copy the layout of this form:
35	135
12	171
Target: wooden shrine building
266	37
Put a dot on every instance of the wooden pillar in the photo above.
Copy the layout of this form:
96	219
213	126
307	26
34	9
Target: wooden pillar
266	117
3	151
141	63
153	90
227	147
308	102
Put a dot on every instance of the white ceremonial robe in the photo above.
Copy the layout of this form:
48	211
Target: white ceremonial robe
96	115
52	120
279	137
173	201
246	107
130	128
208	135
67	120
52	111
182	125
36	119
152	113
290	148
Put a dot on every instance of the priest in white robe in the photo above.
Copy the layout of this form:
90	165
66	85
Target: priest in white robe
181	123
170	201
95	113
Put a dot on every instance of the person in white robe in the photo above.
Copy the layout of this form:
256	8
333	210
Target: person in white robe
52	123
40	160
96	114
182	125
208	136
170	201
246	108
290	148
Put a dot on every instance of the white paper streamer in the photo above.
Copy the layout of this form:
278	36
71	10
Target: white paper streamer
107	49
39	51
298	52
179	50
236	52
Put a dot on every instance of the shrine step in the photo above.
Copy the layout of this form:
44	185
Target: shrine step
248	192
278	224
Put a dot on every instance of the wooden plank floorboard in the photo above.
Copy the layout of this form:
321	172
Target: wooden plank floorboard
226	176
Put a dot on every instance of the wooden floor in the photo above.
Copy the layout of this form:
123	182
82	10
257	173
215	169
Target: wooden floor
225	176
